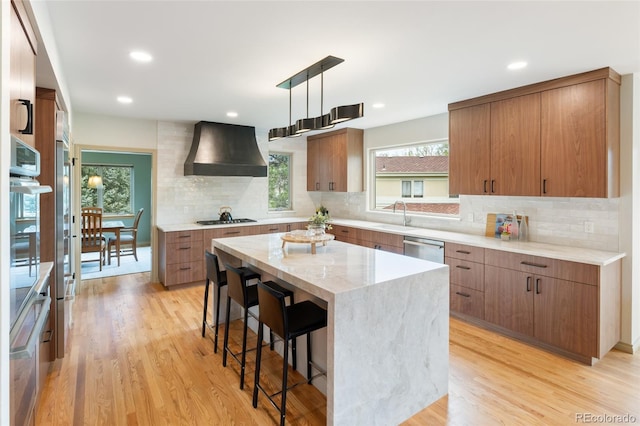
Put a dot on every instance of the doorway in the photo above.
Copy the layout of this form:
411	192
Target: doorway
120	183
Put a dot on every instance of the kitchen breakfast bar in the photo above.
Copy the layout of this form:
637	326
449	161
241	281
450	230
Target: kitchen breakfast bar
387	335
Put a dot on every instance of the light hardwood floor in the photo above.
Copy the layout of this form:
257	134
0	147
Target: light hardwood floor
136	357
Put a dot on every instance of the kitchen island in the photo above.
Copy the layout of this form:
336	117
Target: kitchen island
388	322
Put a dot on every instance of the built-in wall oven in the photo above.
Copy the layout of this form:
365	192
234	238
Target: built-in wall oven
29	286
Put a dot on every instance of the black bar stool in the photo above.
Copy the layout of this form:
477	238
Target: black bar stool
288	322
246	297
219	278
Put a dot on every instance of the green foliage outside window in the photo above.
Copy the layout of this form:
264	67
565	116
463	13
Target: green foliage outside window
115	196
279	181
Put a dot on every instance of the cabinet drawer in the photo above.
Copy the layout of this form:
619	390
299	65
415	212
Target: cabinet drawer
183	236
466	301
188	251
464	252
570	271
187	272
466	274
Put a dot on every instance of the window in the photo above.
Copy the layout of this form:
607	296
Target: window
416	174
279	181
406	188
114	194
418	188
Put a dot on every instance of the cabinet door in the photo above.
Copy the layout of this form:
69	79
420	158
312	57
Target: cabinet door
566	315
508	299
313	162
573	150
22	72
470	150
515	146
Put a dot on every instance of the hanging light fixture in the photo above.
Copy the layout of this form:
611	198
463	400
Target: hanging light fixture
324	121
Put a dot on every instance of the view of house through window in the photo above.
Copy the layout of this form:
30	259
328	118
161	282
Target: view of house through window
416	174
109	187
279	181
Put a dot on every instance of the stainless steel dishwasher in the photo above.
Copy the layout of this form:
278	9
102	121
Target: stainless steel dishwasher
424	248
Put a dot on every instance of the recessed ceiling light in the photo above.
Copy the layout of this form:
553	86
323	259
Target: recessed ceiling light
124	99
140	56
378	105
517	65
232	114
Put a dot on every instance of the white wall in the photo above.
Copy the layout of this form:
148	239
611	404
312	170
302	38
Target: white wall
630	207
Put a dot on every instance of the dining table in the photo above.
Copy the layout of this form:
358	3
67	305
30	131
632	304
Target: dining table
114	226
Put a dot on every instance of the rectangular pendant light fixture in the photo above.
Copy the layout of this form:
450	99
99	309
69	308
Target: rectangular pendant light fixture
324	121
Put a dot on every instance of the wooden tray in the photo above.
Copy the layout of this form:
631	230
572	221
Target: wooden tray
305	239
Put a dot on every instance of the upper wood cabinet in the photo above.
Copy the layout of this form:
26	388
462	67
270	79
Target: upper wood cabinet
558	138
580	140
22	73
334	161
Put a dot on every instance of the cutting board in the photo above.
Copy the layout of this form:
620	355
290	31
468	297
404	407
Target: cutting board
493	221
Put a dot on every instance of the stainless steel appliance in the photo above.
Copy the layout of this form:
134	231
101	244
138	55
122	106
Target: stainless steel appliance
29	289
224	222
424	248
63	288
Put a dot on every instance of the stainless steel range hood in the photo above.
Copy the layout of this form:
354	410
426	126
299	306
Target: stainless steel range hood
220	149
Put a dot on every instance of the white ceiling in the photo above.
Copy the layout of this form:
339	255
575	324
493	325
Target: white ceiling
211	57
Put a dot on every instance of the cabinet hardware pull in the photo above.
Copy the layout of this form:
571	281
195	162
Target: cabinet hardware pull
462	267
28	129
345	231
273	229
492	183
484	186
528	284
544	186
231	232
185	248
463	251
49	333
185	268
184	236
463	294
538	285
317	186
537	265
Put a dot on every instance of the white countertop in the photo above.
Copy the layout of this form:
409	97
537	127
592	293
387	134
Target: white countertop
567	253
336	268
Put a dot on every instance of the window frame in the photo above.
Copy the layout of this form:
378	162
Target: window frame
372	206
289	155
100	194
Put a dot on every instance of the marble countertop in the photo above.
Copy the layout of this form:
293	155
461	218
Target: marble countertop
335	269
567	253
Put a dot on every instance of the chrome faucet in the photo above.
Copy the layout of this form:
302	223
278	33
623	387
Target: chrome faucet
404	212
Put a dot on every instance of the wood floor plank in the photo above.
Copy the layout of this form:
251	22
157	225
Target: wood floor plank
136	357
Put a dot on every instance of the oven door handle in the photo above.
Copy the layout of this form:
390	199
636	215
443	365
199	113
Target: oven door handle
26	351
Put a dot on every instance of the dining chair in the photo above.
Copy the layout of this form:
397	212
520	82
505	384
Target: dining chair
92	238
128	237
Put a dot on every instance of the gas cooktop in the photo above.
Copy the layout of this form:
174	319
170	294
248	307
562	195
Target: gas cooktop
223	222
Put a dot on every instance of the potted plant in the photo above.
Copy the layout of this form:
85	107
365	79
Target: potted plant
319	222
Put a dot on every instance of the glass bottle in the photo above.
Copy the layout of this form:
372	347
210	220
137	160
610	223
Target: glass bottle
515	234
523	235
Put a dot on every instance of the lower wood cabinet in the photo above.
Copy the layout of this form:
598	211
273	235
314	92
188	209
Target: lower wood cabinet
466	277
373	239
579	319
181	253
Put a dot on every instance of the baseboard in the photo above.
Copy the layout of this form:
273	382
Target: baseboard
628	348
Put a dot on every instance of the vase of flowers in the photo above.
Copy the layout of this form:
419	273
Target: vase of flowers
319	222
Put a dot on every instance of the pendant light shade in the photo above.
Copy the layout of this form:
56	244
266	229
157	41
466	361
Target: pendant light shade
324	121
346	112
